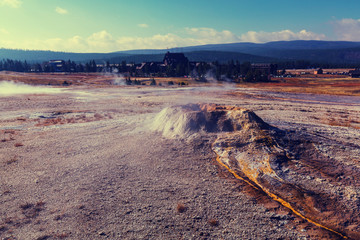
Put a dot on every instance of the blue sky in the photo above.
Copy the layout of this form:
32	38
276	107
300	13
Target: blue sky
109	25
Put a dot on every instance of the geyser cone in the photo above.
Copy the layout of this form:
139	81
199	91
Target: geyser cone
249	147
192	119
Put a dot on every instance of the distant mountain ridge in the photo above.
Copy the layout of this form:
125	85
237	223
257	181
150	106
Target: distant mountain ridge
251	48
341	52
39	55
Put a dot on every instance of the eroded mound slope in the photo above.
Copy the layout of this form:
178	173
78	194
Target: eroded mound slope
188	120
288	169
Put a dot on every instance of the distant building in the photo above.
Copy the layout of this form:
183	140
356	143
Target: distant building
264	68
173	59
56	65
355	73
318	71
147	68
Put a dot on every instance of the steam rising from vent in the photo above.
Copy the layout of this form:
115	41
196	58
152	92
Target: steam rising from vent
211	77
11	88
118	78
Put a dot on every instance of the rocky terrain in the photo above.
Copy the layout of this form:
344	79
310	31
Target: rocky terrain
101	163
287	167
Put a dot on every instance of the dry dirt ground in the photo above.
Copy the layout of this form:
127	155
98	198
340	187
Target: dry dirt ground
86	164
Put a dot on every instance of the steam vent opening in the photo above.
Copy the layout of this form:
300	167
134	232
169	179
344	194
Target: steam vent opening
281	164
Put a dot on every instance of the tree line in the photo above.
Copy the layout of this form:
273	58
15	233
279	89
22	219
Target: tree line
230	71
220	71
66	66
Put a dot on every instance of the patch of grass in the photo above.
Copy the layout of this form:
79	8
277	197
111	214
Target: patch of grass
40	204
21	119
59	217
44	237
3	228
32	210
18	144
62	235
8	221
9	132
10	138
26	206
11	160
213	222
62	112
338	123
98	116
181	208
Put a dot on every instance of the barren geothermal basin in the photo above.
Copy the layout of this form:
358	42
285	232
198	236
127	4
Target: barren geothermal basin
176	163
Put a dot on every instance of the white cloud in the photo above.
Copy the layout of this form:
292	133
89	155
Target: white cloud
3	31
284	35
103	41
61	11
347	29
97	42
11	3
143	25
154	42
209	35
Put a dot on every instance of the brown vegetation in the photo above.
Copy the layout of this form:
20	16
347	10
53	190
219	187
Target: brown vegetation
213	222
342	121
12	160
317	84
8	135
324	85
181	208
70	117
31	210
18	144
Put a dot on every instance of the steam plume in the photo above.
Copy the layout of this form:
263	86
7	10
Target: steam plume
11	88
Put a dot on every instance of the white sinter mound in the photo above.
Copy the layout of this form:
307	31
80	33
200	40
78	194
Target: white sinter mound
188	120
